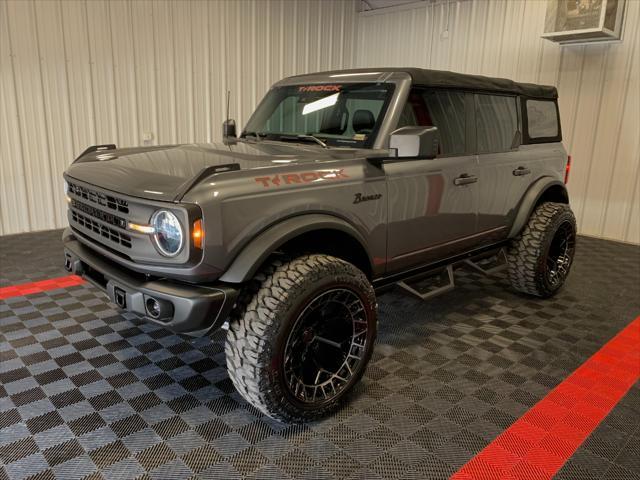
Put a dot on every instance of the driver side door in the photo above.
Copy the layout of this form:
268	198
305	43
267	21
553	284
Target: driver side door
432	203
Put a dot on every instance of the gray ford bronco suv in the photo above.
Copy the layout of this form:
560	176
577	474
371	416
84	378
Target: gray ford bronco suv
341	184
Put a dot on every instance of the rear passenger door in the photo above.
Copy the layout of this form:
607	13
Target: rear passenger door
505	172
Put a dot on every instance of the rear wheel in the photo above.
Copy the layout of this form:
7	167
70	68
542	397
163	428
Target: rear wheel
540	258
301	336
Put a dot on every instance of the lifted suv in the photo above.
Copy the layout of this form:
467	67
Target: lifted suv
341	184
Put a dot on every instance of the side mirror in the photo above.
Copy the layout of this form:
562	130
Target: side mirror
229	129
416	142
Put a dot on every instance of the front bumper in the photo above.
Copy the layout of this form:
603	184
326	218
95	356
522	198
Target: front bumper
182	308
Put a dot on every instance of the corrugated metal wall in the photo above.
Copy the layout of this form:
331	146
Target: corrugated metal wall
78	73
598	85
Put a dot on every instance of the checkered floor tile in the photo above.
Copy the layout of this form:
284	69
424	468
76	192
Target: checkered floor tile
89	392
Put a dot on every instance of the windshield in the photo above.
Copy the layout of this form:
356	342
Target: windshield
346	115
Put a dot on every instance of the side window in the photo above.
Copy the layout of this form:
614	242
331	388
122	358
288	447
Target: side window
439	108
496	123
542	119
408	116
447	111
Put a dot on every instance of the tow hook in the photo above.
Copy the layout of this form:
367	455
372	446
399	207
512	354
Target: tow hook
120	297
72	265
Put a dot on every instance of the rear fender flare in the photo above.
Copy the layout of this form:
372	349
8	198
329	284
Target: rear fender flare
253	255
530	200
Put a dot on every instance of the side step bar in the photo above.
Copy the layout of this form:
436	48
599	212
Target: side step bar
501	259
411	284
430	293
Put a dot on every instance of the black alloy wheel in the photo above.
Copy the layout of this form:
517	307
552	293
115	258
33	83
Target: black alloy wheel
326	346
301	336
560	255
540	257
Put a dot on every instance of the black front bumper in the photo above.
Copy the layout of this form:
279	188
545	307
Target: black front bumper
183	308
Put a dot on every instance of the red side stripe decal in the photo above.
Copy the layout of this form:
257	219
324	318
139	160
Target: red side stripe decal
41	286
542	440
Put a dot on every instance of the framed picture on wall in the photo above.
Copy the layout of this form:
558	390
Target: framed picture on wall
583	21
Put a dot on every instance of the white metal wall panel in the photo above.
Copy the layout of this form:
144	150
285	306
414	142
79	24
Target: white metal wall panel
123	94
143	51
31	120
74	73
598	87
621	217
13	187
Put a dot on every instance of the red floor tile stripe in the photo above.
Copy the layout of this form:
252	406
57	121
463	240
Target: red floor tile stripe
538	444
41	286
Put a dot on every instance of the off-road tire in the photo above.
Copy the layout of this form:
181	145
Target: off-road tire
266	313
527	253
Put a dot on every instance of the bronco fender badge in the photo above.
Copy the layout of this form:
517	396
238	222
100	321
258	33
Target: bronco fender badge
359	198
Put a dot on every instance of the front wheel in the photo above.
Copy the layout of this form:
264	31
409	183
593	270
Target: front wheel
301	336
540	258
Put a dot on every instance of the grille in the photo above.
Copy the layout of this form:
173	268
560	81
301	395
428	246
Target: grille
101	229
98	214
99	198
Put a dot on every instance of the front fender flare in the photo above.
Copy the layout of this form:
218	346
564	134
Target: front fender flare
530	199
253	255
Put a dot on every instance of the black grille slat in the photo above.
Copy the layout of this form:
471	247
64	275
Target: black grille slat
102	214
98	214
99	198
103	230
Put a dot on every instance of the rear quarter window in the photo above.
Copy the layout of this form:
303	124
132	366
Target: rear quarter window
496	123
542	119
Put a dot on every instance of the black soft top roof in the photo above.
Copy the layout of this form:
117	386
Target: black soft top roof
442	78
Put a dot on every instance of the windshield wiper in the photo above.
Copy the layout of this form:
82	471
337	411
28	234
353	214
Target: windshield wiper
307	137
258	135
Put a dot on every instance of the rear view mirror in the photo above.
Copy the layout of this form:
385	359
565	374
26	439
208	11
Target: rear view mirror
416	142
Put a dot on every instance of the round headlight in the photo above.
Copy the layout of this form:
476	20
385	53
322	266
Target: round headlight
168	235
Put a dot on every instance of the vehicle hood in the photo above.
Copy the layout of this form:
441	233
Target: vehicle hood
167	172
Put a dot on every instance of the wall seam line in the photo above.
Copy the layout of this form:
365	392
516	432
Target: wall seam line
633	199
174	72
622	108
115	124
12	56
602	82
49	171
92	101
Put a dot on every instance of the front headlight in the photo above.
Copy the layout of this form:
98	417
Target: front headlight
169	235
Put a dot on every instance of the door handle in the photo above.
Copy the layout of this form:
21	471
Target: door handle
518	172
465	179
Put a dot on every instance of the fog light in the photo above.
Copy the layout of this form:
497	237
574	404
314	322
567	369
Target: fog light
153	307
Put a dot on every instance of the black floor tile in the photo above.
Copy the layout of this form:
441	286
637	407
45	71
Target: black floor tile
81	382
